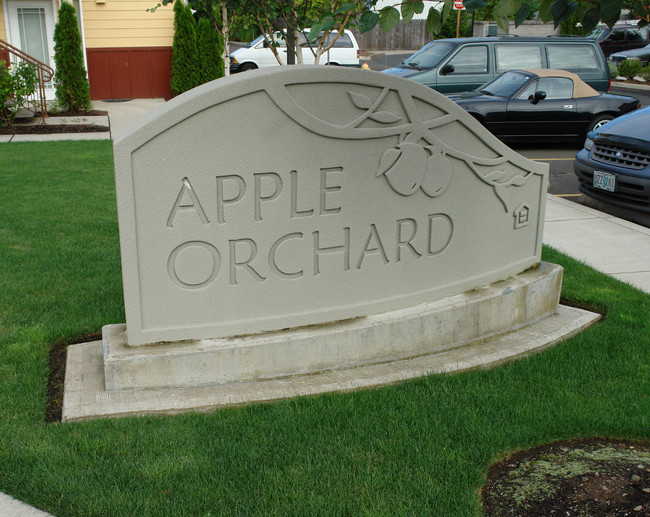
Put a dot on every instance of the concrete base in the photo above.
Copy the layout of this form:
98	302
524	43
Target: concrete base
479	328
422	329
86	397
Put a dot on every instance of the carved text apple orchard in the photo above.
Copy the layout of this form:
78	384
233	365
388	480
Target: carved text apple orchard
290	255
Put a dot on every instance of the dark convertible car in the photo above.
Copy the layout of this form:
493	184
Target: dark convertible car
536	105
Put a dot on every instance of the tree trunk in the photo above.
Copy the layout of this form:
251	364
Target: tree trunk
298	46
226	39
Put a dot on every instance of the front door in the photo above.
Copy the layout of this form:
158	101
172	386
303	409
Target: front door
31	29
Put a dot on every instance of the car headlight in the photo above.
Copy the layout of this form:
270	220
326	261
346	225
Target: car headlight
589	144
634	58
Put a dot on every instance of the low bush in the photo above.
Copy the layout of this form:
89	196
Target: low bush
629	69
645	73
17	83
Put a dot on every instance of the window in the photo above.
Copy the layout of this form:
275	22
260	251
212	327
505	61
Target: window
507	84
617	35
343	41
554	87
572	57
33	33
431	54
634	35
470	60
511	56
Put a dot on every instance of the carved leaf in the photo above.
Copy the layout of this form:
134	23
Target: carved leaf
495	175
518	181
385	117
388	159
360	101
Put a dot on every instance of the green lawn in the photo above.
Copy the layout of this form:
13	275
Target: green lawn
418	448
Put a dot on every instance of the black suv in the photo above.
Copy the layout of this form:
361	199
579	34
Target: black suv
621	37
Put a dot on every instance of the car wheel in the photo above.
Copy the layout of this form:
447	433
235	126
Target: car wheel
247	66
599	122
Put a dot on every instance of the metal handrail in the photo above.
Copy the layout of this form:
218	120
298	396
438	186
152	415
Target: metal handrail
44	72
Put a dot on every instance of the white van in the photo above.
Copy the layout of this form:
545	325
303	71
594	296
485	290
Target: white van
257	53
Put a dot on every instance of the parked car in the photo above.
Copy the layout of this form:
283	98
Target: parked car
258	54
464	64
620	37
639	54
614	165
534	105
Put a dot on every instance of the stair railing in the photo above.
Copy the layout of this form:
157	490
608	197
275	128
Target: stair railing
44	73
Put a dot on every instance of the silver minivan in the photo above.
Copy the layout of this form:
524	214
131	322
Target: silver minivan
464	64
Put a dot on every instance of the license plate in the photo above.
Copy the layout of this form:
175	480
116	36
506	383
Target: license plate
604	181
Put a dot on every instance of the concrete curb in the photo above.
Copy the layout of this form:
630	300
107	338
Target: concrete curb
11	507
630	86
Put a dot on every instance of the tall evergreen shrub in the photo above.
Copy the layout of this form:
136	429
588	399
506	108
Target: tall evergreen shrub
185	74
72	90
209	49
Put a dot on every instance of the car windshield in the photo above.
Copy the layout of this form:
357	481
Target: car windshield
506	85
255	41
599	33
430	55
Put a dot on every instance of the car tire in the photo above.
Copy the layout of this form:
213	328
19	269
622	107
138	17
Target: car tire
599	121
247	66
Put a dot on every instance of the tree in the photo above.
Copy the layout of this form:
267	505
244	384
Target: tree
588	12
221	14
209	50
72	89
184	63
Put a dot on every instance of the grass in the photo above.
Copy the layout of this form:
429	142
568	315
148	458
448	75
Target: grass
422	447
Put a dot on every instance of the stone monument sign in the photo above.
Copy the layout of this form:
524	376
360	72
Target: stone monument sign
307	195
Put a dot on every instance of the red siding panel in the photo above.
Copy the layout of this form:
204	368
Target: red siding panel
129	73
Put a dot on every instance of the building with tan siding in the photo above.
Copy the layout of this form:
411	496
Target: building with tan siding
127	49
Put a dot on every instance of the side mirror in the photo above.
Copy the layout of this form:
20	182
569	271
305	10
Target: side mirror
447	69
539	96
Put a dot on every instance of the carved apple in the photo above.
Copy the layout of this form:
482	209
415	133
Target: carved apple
438	174
404	167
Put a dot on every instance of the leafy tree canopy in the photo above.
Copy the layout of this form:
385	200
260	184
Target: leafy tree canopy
587	12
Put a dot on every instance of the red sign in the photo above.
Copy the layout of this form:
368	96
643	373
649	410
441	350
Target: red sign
458	4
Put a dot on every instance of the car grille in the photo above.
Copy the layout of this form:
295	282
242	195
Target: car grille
621	156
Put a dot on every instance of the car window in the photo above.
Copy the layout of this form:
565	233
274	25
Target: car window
554	87
472	59
599	33
431	55
343	41
617	35
511	56
506	84
277	40
635	35
528	91
572	57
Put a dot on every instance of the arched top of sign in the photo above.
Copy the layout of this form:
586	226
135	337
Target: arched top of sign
367	105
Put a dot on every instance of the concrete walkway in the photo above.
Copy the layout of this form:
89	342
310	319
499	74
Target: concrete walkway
609	244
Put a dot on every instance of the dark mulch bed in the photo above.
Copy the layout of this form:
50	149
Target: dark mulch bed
591	478
48	129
